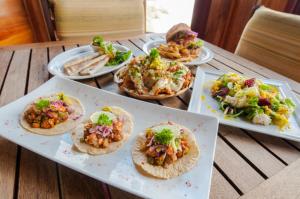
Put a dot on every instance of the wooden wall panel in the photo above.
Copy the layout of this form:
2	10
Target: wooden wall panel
242	12
218	19
15	28
227	18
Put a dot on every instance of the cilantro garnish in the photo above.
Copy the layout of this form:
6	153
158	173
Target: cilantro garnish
104	120
164	137
178	73
154	53
42	103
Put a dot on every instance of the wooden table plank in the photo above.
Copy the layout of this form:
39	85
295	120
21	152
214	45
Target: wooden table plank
5	57
284	185
237	169
34	169
279	147
250	149
13	88
220	188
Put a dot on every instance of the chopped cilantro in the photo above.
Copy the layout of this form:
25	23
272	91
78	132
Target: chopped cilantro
164	137
104	120
154	53
42	103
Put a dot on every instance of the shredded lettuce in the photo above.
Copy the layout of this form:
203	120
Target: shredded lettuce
119	58
289	103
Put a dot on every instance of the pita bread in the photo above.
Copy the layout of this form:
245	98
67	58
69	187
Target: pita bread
175	29
74	119
77	134
180	166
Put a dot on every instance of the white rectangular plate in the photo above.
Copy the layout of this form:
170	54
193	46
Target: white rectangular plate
202	102
117	168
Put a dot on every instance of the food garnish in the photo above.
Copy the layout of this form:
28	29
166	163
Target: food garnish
103	128
152	76
252	99
164	145
47	112
165	150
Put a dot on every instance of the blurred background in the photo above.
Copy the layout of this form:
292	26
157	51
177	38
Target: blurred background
220	22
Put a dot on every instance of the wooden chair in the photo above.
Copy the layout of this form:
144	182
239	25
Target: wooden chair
80	20
272	39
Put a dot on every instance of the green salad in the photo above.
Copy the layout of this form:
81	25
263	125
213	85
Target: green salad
252	99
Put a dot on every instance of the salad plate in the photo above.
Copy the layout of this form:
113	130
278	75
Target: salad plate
117	168
56	65
205	56
203	102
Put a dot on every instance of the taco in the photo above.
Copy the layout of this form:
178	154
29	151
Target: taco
52	115
105	132
165	151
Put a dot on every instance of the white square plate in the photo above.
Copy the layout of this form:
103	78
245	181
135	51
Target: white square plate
117	168
202	102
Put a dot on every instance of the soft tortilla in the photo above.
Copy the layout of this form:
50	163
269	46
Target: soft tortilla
126	131
180	166
74	119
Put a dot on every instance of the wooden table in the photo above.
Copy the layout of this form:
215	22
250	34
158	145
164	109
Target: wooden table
243	159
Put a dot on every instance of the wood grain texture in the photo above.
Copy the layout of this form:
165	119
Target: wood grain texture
237	169
14	87
284	185
220	188
75	185
5	57
222	22
36	171
256	154
15	28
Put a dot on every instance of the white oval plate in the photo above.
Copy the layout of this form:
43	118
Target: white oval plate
205	56
55	66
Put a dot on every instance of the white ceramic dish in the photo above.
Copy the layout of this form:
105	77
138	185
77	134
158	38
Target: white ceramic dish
205	56
117	168
202	102
55	66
